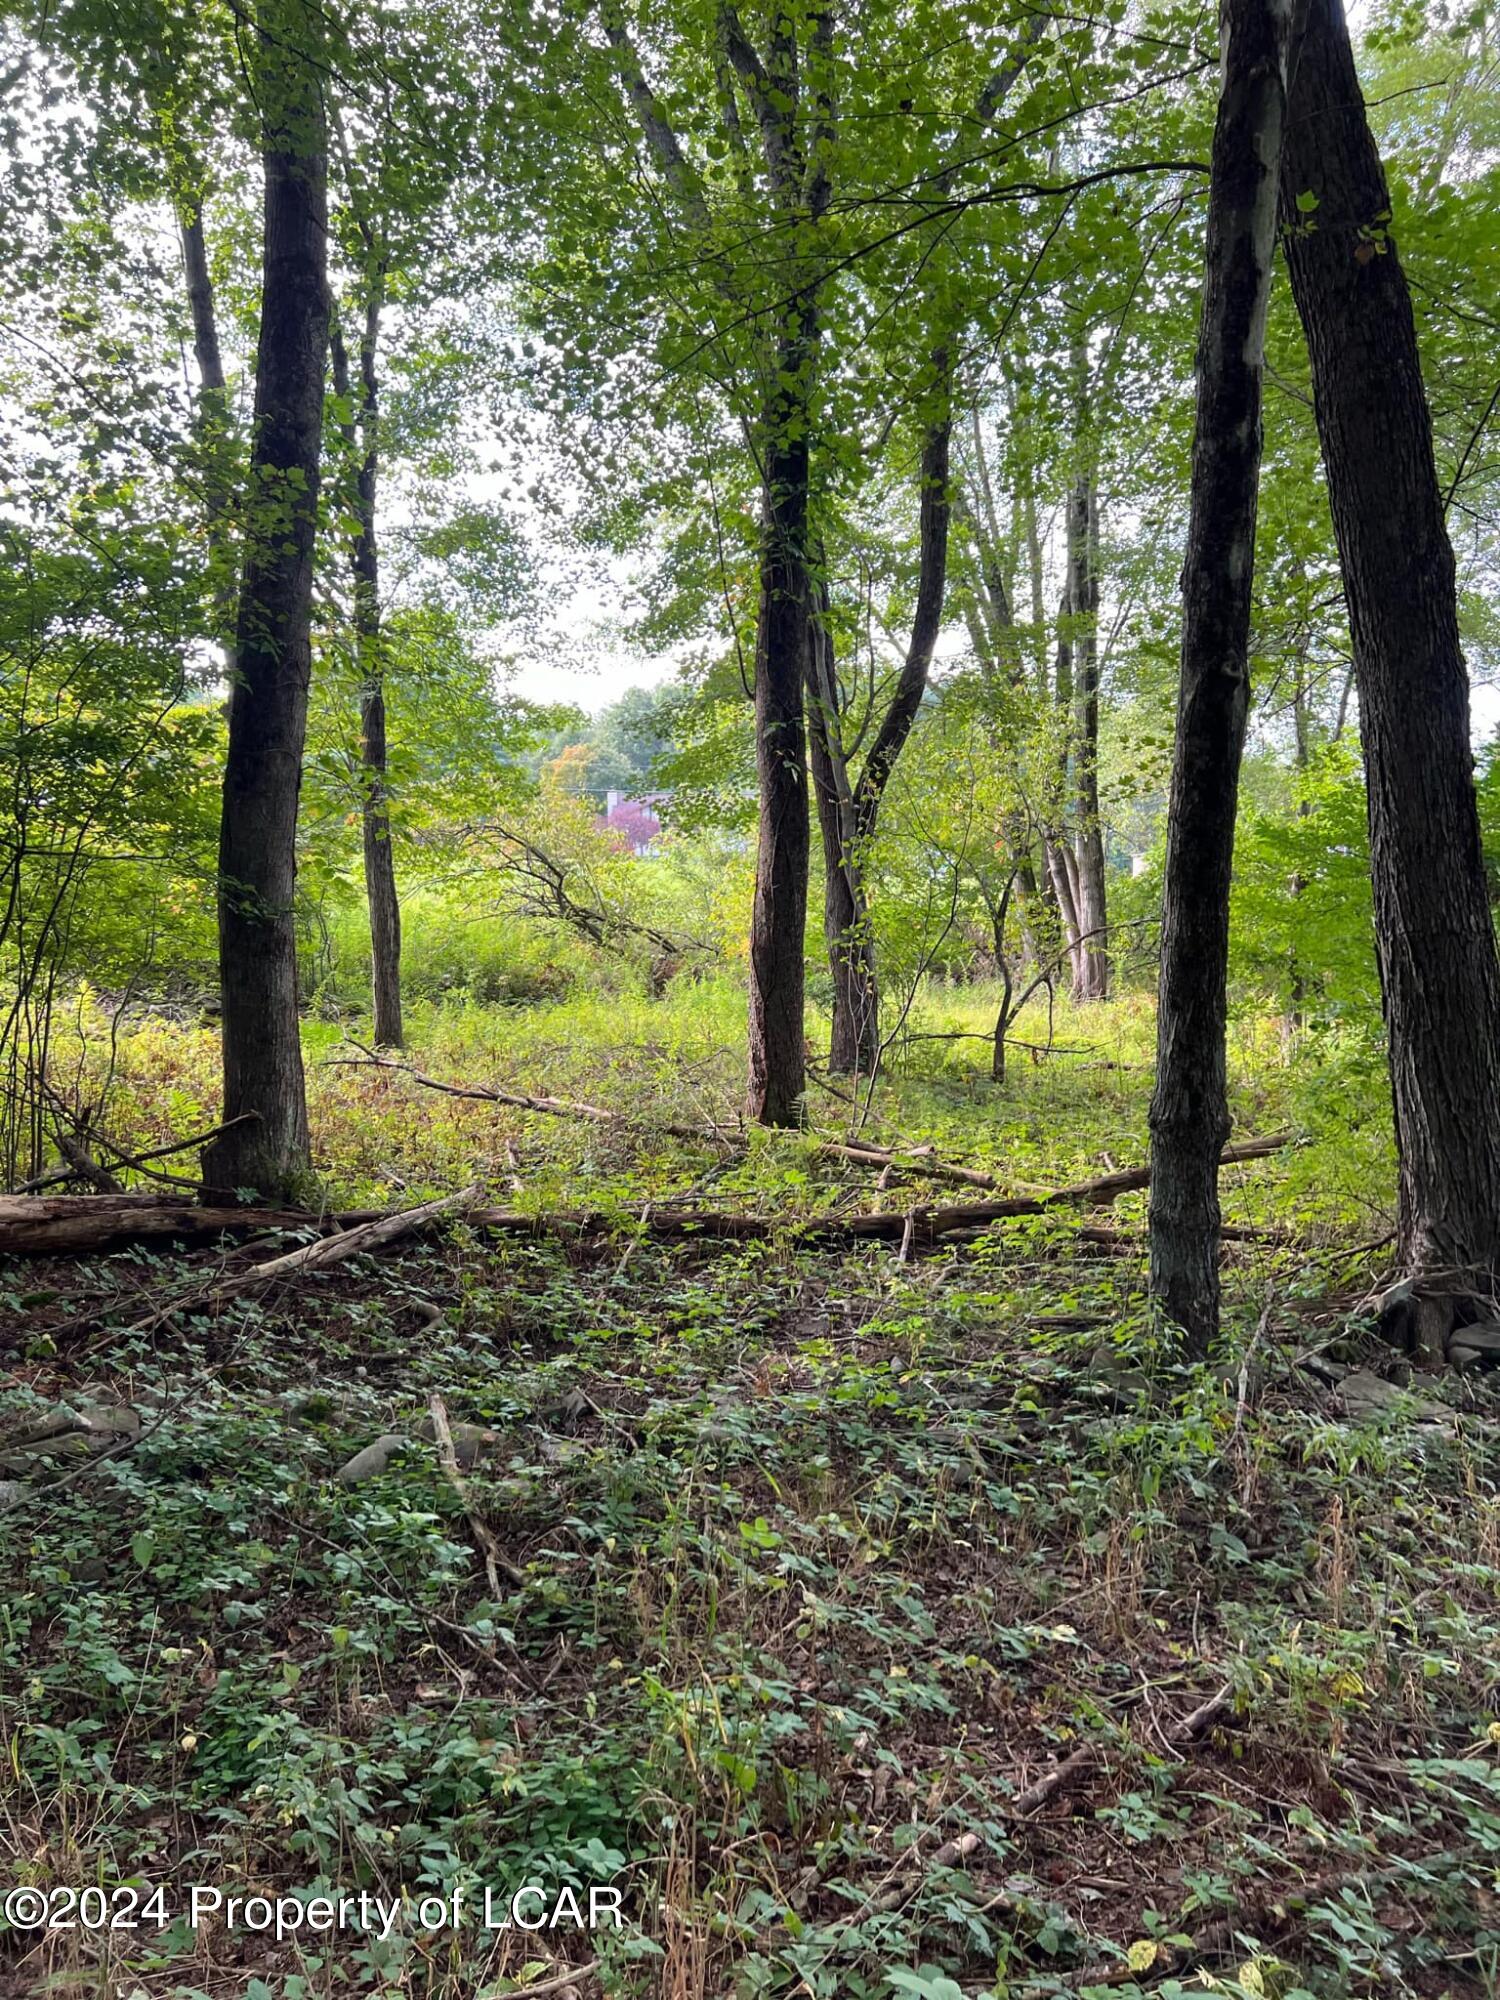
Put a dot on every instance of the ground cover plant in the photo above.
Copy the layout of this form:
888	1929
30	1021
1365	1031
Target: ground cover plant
879	1623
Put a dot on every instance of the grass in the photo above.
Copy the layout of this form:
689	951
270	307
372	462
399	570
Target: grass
823	1559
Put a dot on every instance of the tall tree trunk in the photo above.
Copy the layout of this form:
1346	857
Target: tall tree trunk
1057	847
1091	960
1434	937
362	434
212	422
270	1153
1000	651
1190	1108
854	1045
1296	1015
778	916
849	807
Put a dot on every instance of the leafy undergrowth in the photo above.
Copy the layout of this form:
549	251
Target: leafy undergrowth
811	1565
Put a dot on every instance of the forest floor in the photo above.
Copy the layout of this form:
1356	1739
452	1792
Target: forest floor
879	1626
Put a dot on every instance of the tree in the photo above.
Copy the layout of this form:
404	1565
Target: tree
399	173
1083	858
262	1053
849	799
1435	941
1190	1109
361	428
817	247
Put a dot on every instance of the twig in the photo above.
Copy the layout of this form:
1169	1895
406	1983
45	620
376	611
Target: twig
558	1981
908	1236
524	1100
317	1256
134	1161
1087	1757
495	1564
1077	1765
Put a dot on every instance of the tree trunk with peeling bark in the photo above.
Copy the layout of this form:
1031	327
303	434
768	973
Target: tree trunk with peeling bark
1190	1109
262	1051
1434	935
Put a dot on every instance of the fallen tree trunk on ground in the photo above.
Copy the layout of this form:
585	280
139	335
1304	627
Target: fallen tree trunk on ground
57	1224
54	1225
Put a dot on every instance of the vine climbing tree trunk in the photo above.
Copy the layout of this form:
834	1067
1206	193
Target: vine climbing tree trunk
262	1052
1434	936
1190	1109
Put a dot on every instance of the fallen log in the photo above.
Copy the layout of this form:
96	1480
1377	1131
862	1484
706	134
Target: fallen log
919	1161
49	1224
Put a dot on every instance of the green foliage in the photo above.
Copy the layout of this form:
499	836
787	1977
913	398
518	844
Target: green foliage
1301	913
829	1557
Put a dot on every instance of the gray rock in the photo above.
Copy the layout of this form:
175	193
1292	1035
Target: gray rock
1115	1378
109	1423
72	1444
571	1408
13	1492
51	1424
471	1442
374	1459
1476	1346
1365	1395
1326	1369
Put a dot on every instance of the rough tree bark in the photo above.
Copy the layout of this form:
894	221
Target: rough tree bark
1190	1110
778	917
362	437
1434	936
262	1052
